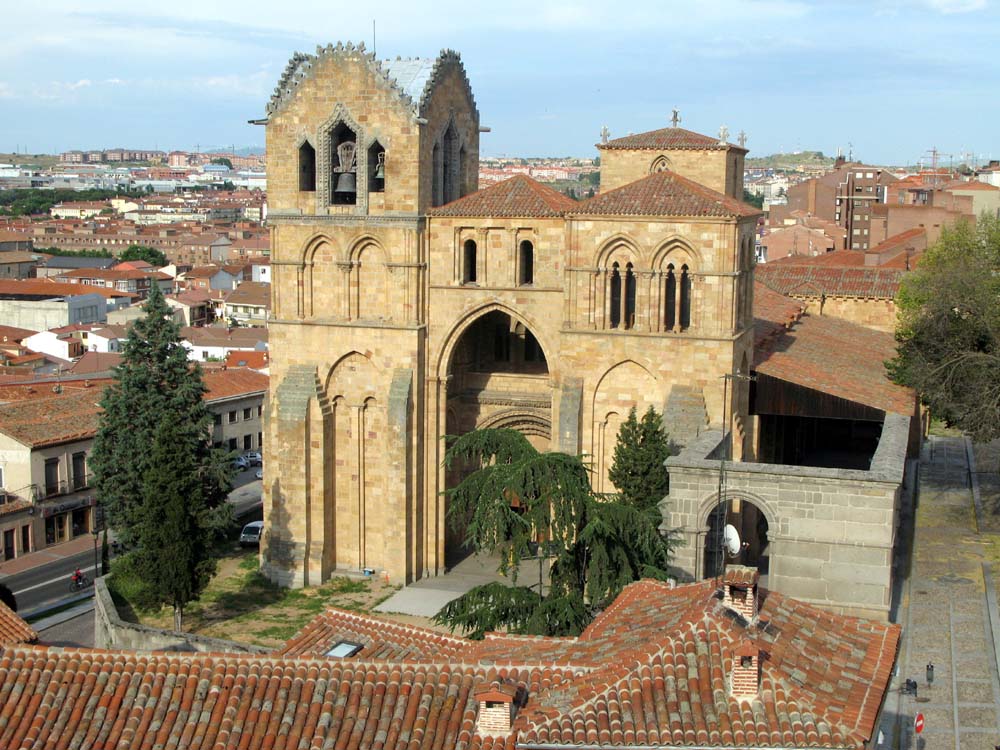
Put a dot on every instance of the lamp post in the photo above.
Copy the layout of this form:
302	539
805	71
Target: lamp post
96	534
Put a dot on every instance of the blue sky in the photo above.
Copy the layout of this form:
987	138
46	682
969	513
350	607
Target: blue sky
892	77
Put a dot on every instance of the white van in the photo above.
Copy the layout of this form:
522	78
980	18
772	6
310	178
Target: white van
250	536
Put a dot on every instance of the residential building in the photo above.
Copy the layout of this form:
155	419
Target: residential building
249	304
43	305
136	283
210	277
214	343
18	265
236	397
195	306
57	265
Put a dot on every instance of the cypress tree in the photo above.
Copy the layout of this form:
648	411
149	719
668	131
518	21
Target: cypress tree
637	467
154	383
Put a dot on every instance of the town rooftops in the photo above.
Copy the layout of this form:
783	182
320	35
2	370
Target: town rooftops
835	258
18	256
255	293
13	629
815	281
50	421
664	193
230	338
39	289
520	196
243	358
652	670
230	382
668	139
10	334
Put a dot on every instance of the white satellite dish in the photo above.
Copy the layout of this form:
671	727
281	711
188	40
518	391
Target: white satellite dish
731	538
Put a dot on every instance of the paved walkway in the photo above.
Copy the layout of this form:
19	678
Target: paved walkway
48	555
949	614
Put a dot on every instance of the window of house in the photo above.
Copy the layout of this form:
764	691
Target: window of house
307	168
469	262
232	416
247	442
217	418
79	470
51	476
260	410
376	168
25	539
233	444
260	441
525	263
247	413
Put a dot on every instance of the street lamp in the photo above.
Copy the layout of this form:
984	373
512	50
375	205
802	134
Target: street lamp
96	534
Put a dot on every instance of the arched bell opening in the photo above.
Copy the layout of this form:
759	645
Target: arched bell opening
752	549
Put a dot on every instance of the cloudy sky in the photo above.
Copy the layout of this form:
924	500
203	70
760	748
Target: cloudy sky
892	77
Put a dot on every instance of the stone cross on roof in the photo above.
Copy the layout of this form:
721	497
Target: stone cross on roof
675	118
742	139
723	135
605	133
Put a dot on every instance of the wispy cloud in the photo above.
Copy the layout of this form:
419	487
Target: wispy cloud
956	6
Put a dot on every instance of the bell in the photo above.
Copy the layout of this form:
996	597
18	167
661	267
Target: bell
346	183
380	167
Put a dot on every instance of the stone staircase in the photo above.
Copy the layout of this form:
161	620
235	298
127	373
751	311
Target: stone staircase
684	415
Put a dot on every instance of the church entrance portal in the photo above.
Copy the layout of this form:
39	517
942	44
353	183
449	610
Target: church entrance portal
498	377
750	523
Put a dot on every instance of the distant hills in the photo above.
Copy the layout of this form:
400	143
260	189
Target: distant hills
791	161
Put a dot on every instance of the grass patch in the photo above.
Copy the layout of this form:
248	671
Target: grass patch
242	605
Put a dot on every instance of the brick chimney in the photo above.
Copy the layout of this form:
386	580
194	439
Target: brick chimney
739	590
497	705
744	680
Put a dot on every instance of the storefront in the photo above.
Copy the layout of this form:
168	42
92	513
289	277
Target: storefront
68	519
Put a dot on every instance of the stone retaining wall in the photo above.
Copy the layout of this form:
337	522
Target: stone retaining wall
111	632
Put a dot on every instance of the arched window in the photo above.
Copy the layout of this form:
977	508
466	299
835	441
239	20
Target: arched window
525	263
469	262
376	168
307	168
629	297
685	292
437	175
615	297
660	164
670	299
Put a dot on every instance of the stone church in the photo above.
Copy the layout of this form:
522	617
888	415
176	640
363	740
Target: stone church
409	305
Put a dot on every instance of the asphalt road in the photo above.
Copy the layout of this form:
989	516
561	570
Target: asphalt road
50	583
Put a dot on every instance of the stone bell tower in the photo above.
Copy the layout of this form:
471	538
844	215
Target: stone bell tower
358	151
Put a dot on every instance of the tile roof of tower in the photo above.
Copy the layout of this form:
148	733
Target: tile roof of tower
667	139
520	196
650	670
664	193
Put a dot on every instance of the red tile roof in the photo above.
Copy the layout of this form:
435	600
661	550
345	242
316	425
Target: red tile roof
11	334
51	421
667	139
13	629
813	281
836	357
54	289
899	240
664	194
253	360
255	293
837	259
520	196
230	382
773	313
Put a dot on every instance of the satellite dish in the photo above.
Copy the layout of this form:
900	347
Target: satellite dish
731	539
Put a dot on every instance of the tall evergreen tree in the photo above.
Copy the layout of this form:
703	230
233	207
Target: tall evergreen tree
174	558
637	467
517	498
154	384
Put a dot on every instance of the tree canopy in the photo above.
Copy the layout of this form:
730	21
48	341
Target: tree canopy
143	252
162	484
223	161
518	503
948	334
637	466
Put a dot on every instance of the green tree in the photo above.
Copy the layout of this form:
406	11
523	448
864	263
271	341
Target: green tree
154	383
174	558
223	161
637	467
948	334
143	252
754	199
517	501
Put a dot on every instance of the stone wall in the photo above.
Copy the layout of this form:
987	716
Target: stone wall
719	169
879	314
111	632
830	531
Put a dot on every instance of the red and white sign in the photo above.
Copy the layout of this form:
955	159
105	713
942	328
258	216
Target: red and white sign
918	723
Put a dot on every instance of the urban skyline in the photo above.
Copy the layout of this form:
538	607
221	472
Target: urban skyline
886	77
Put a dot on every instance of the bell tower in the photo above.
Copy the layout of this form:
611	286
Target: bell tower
358	151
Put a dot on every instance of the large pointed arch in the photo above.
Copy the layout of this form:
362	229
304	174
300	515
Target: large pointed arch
677	250
620	244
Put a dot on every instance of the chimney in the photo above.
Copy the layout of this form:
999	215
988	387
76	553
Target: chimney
497	705
739	590
744	679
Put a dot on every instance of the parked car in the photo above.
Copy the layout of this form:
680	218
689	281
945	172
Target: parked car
250	536
240	463
253	458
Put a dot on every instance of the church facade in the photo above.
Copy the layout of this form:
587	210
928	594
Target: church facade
409	305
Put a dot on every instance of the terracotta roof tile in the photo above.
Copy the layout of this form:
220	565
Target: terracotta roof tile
837	259
51	421
13	629
236	381
664	194
257	293
836	357
51	289
520	196
813	281
899	240
666	139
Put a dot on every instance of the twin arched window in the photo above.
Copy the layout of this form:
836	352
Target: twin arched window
677	299
675	293
621	296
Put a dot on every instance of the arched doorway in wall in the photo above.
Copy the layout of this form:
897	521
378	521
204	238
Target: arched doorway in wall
750	523
498	376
